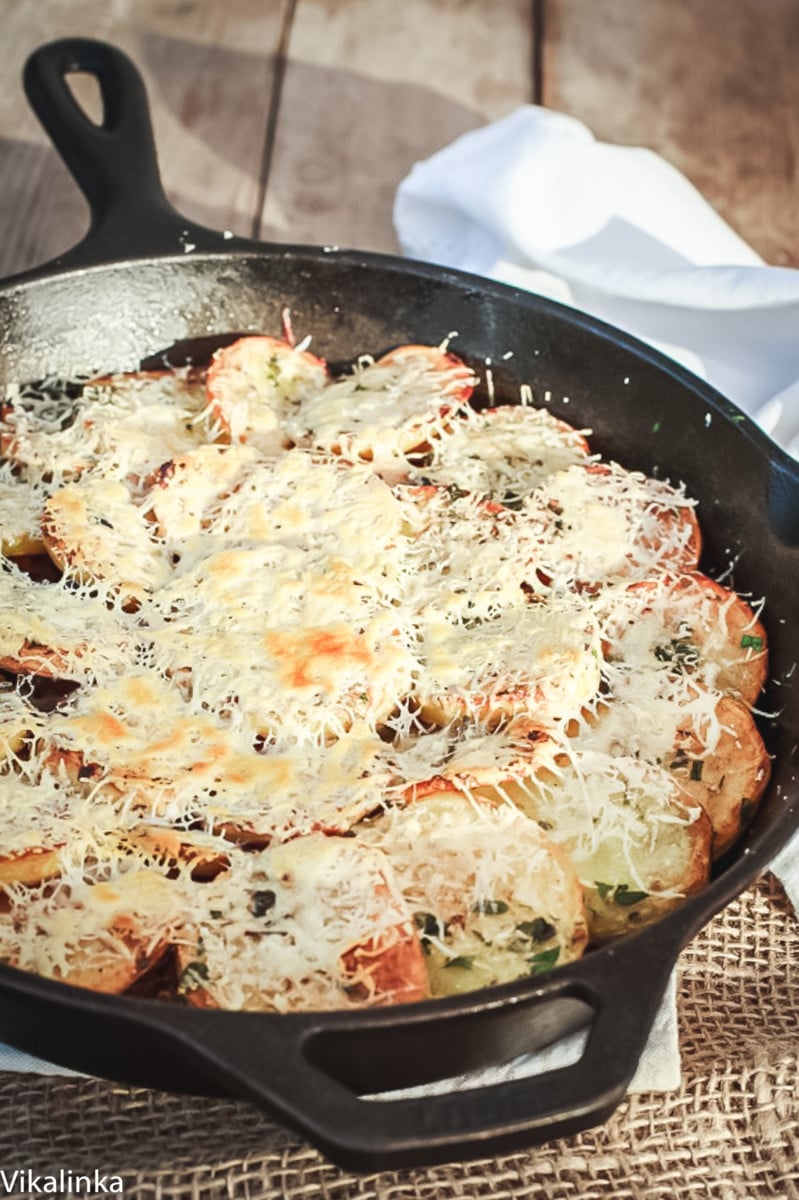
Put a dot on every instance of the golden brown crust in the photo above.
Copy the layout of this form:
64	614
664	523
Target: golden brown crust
30	866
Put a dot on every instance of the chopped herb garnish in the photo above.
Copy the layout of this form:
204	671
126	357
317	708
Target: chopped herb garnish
680	653
620	893
262	902
195	974
537	930
464	961
750	642
429	924
656	427
624	896
544	960
696	769
491	908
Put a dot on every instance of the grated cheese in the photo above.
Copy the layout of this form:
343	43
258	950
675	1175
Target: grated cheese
327	654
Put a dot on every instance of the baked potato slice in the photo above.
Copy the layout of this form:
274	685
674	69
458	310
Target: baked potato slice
57	632
114	426
708	742
502	453
638	525
254	384
99	935
94	531
198	855
528	661
18	721
494	898
729	780
386	409
20	517
31	866
185	491
689	625
314	923
636	846
114	961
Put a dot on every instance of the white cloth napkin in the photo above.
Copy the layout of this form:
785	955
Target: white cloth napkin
535	200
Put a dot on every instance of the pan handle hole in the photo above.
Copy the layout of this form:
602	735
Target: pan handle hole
86	93
499	1043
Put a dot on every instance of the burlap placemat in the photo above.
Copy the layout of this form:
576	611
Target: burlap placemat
731	1131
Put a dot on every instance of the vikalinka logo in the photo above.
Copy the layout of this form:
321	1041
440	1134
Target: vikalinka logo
63	1183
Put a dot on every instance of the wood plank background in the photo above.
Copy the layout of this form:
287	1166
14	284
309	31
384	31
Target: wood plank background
296	119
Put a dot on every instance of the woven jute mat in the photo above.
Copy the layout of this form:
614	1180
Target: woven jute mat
731	1132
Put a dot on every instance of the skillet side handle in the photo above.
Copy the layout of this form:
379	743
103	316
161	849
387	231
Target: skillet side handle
276	1066
114	163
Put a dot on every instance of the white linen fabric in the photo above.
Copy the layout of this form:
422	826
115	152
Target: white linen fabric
534	200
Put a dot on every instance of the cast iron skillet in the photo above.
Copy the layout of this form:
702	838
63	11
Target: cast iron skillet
144	279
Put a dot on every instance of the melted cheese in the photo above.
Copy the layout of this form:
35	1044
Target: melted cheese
502	453
284	919
303	633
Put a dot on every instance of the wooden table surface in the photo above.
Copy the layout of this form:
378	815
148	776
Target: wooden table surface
296	119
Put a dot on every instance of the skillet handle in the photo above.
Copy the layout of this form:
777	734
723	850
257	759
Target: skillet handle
311	1070
114	163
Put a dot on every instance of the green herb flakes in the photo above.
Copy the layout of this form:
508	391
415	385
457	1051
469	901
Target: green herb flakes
194	975
626	897
537	930
491	908
543	960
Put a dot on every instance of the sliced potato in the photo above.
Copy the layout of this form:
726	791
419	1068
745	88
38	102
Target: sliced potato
689	625
30	866
112	963
494	899
528	661
198	854
93	531
17	721
315	923
707	740
607	524
185	491
114	426
254	384
386	409
502	453
102	936
729	780
20	518
387	969
637	847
